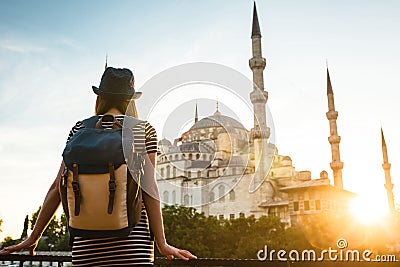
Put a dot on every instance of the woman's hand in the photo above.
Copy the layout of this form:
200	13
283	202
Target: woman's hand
173	252
28	244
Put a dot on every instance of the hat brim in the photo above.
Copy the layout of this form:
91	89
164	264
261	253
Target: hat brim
98	91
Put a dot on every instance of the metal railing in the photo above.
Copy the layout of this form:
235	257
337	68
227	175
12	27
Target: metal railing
22	260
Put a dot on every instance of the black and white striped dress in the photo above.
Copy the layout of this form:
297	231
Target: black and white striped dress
138	248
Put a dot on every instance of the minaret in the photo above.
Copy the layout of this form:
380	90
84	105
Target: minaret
388	180
334	138
260	133
196	116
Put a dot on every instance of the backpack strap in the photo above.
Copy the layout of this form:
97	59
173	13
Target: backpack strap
76	189
112	187
91	122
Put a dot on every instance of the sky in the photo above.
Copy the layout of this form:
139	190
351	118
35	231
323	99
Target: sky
52	52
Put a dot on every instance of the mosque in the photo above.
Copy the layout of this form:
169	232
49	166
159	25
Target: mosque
225	170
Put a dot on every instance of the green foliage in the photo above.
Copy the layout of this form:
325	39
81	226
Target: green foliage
55	235
237	238
177	222
55	231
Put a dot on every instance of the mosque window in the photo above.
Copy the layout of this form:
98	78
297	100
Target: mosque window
186	200
166	197
296	206
231	216
282	213
173	197
317	204
174	171
241	215
162	172
176	157
221	191
221	216
168	171
306	205
204	157
198	173
190	156
232	195
212	196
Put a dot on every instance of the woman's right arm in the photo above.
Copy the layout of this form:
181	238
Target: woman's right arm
49	207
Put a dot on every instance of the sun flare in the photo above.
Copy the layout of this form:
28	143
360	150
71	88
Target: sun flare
368	209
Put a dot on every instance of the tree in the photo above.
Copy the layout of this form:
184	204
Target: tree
1	221
236	238
25	231
62	243
180	223
53	232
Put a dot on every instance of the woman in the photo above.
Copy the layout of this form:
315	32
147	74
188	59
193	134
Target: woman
115	93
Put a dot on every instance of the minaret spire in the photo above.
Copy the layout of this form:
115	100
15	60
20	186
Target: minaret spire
334	138
388	180
255	32
105	66
328	83
196	116
260	133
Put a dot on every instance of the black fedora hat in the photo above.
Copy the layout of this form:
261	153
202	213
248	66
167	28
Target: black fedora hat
117	84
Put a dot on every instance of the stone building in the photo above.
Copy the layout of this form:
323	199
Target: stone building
225	170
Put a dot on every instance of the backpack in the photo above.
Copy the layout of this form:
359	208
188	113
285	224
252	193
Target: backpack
100	192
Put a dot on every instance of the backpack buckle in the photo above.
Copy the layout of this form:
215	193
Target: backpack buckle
76	188
112	186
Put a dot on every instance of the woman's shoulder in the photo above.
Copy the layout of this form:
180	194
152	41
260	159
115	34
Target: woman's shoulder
138	122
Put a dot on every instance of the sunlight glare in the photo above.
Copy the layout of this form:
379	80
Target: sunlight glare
368	210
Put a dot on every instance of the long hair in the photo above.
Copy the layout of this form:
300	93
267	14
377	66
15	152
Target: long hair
127	107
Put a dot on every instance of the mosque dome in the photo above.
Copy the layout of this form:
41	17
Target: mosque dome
218	120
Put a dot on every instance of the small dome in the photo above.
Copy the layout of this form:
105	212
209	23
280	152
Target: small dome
164	142
323	175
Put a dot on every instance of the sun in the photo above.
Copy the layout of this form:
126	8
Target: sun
368	210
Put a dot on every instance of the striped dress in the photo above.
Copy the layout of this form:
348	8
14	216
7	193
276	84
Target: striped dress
138	248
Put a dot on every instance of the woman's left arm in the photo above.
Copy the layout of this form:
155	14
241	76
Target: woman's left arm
151	200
